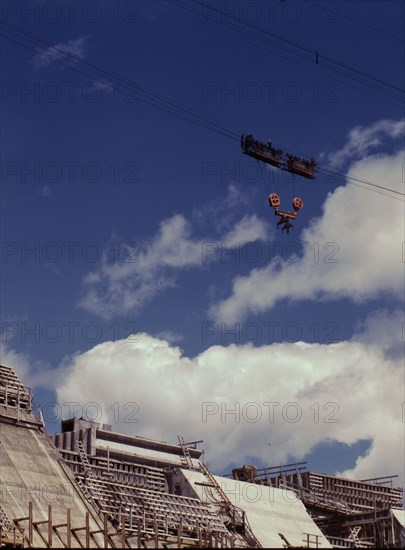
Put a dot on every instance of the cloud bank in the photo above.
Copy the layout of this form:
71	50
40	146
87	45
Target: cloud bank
239	398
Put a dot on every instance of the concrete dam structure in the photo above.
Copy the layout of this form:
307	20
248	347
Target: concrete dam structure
90	487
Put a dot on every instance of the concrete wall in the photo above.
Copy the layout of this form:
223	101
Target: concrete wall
32	471
270	511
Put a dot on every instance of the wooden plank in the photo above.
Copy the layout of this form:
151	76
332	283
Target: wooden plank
68	528
123	541
139	536
50	532
30	525
105	532
87	530
179	533
155	527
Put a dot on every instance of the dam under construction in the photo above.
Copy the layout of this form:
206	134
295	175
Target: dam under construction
90	487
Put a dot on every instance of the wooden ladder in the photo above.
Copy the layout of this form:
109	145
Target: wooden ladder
237	515
10	534
186	459
90	486
83	457
4	521
354	531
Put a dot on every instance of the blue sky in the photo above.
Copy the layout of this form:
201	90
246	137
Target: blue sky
140	260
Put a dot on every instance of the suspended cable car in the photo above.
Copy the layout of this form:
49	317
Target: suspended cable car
285	161
260	151
301	167
277	157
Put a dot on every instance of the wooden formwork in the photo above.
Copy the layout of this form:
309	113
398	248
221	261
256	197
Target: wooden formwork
12	392
131	532
351	513
135	499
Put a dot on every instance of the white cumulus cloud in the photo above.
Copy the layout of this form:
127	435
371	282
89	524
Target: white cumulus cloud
149	267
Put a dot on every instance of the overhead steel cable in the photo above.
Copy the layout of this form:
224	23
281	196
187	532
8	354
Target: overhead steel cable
159	101
376	191
356	179
323	6
315	53
128	90
361	73
261	41
330	63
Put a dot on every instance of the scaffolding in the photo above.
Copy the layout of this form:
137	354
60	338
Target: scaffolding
135	500
130	493
351	513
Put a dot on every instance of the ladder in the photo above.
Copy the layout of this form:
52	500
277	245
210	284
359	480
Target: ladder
88	491
354	531
90	486
186	459
83	458
10	535
4	521
237	515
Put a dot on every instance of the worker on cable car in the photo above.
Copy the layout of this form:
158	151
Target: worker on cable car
249	141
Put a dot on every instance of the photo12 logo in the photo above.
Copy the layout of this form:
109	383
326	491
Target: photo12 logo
69	252
70	172
268	12
68	92
255	252
69	11
270	92
50	492
270	411
53	332
269	332
92	411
